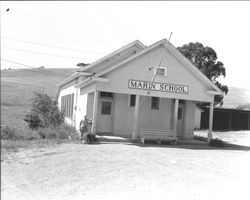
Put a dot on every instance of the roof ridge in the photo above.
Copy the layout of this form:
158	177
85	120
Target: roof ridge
123	48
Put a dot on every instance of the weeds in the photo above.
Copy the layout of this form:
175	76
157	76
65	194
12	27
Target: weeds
213	143
15	138
61	132
216	143
8	133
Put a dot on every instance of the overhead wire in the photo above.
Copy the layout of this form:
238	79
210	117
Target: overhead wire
7	60
32	67
42	53
52	46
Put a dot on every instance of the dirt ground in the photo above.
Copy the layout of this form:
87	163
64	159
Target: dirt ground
123	171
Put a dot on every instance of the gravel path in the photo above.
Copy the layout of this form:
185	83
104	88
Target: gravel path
123	171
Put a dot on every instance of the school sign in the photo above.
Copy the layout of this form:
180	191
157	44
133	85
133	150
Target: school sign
155	86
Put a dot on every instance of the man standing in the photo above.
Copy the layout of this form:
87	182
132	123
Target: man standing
84	127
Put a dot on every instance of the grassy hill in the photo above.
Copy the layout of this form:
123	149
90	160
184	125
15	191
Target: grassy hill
236	96
18	86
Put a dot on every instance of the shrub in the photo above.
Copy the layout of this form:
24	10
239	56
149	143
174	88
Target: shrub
61	132
44	112
9	133
33	120
216	143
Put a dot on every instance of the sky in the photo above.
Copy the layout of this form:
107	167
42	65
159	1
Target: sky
61	34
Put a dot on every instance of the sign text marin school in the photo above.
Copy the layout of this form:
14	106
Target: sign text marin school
163	87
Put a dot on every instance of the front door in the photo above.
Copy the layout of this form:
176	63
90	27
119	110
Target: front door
105	116
180	120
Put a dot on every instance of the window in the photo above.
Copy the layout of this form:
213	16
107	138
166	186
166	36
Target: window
106	94
132	100
162	71
106	108
155	103
67	103
179	113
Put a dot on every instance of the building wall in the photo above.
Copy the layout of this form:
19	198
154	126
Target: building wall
123	115
154	119
90	104
66	91
81	109
226	119
189	119
197	121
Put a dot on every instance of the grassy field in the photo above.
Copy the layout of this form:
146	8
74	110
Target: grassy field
18	86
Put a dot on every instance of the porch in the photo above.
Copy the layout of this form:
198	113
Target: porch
127	115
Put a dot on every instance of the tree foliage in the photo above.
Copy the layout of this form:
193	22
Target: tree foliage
205	59
44	112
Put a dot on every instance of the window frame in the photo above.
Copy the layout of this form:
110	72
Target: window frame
107	95
109	102
155	108
160	67
180	113
129	100
67	105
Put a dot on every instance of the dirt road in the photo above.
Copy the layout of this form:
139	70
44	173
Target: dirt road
123	171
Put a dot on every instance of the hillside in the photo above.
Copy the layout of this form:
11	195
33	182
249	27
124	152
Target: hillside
236	96
18	86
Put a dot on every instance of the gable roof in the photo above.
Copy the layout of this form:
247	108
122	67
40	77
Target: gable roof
136	43
143	50
81	71
171	48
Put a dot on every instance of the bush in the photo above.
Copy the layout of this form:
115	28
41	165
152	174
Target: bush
33	120
61	132
44	112
9	133
216	143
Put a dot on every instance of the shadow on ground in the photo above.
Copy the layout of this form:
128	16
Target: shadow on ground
181	144
195	146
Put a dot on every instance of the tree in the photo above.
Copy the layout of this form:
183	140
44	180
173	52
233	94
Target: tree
81	64
44	112
205	59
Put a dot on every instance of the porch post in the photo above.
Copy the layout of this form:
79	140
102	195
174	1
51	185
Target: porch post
176	105
211	111
136	114
94	115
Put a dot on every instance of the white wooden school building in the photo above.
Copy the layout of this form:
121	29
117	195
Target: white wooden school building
120	96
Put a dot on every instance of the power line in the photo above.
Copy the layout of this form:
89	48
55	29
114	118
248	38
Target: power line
41	53
32	67
7	60
53	46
